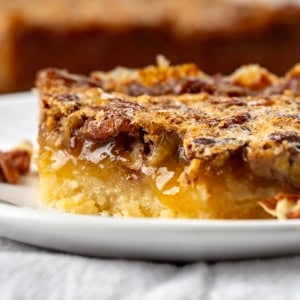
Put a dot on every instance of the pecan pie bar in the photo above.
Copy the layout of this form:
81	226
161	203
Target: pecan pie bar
169	141
84	35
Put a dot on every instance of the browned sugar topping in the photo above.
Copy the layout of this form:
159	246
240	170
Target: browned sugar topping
250	114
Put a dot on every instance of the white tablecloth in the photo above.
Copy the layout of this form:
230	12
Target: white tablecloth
30	273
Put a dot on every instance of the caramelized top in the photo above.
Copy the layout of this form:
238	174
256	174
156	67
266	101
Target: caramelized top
251	114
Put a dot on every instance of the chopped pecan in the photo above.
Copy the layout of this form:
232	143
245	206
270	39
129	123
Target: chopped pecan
8	171
283	206
15	162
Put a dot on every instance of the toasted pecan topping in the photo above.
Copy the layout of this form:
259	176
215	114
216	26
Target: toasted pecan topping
176	80
248	116
112	119
253	77
15	162
108	127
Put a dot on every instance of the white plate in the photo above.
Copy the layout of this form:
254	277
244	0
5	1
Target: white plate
116	237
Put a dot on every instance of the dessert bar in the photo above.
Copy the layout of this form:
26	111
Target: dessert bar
170	141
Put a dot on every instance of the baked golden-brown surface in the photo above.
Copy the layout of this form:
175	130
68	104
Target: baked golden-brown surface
169	141
202	147
83	35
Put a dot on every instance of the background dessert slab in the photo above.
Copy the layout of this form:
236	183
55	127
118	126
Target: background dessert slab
82	36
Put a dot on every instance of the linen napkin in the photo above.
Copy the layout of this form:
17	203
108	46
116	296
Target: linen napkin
30	273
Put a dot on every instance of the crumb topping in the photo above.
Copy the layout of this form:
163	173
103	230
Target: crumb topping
251	114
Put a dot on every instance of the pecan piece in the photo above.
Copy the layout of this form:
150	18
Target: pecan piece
15	162
8	171
282	206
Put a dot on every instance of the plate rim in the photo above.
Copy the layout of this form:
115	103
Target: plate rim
97	220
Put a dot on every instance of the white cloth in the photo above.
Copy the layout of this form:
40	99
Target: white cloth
30	273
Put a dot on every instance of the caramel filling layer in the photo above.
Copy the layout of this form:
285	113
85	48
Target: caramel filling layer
127	177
